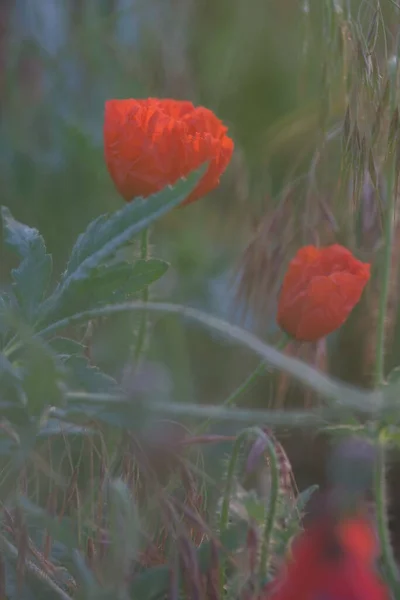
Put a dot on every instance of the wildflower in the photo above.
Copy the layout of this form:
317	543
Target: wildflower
332	561
151	143
319	291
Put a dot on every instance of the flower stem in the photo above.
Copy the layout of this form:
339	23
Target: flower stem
224	517
271	509
389	561
390	566
141	338
245	386
391	194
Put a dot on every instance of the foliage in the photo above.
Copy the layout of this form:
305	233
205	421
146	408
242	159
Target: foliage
120	480
66	534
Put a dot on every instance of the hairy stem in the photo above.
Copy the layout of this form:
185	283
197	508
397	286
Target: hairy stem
388	236
390	566
245	386
141	338
224	517
271	509
340	394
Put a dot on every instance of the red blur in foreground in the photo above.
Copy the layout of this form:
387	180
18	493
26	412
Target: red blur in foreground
319	291
151	143
331	561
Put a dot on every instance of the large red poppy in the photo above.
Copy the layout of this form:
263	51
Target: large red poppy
320	289
151	143
331	561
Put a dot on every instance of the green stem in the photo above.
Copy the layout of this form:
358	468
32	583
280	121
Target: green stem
141	338
223	523
390	565
340	394
245	386
388	241
380	343
270	511
389	560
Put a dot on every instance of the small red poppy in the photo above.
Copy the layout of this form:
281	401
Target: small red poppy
327	563
151	143
319	291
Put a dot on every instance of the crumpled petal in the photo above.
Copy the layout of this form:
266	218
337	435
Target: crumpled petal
319	291
151	143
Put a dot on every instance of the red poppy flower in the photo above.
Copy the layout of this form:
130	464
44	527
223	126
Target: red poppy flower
151	143
358	538
327	564
319	291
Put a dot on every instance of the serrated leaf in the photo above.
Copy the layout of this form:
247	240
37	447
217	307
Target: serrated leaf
89	242
109	232
83	376
304	497
31	280
32	276
42	376
105	236
106	285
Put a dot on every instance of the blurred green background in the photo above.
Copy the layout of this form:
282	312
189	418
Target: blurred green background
61	59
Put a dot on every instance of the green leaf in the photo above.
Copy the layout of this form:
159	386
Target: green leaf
86	577
11	385
43	376
54	428
19	456
32	276
8	305
304	497
61	529
83	376
124	528
66	347
13	398
394	376
89	242
122	414
109	233
16	413
105	285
